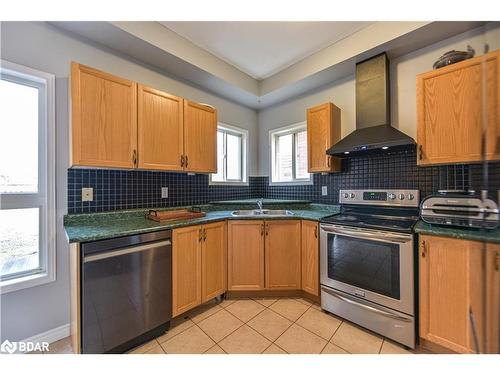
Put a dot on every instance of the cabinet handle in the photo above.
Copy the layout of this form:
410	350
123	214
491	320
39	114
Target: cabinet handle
185	161
261	229
204	235
424	249
316	232
134	158
328	161
267	229
182	160
420	153
200	235
497	260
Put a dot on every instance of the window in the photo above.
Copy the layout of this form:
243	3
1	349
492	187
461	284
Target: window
27	194
289	155
231	156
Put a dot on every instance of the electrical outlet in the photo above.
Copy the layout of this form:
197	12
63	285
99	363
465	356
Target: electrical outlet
164	192
87	194
324	190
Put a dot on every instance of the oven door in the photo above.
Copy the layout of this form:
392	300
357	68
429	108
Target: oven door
373	265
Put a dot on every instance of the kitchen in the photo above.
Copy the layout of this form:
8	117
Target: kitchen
340	196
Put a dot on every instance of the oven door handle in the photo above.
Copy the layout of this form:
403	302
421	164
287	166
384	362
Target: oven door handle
377	236
366	307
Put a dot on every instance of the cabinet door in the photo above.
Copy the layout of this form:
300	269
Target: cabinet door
214	261
450	112
282	254
323	131
451	289
160	130
200	137
186	268
104	119
245	255
493	298
310	257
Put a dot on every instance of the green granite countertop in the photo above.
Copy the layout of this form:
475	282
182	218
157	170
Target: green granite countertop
461	233
98	226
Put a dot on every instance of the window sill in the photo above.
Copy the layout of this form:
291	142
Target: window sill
291	183
227	183
25	282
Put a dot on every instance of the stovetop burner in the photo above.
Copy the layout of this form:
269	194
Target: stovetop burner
377	211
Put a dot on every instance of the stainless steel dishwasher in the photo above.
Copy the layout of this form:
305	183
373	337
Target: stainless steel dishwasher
126	291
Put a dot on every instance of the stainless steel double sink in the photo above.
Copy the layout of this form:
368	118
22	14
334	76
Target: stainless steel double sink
263	212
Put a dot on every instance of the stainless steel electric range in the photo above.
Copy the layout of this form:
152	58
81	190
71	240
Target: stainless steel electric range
367	261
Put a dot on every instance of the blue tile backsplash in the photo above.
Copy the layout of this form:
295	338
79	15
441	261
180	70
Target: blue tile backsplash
128	189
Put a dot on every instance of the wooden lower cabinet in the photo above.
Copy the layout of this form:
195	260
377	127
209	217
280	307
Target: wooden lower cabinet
186	268
452	290
282	254
310	257
214	260
198	265
245	255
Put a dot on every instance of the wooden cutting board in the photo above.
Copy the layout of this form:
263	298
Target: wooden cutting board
172	215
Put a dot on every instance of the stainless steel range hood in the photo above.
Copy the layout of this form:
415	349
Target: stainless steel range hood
374	132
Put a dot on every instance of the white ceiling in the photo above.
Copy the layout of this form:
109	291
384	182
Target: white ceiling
261	49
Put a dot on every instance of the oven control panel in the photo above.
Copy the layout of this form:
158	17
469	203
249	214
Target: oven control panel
381	197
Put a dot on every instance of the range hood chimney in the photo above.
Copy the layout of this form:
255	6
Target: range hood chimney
374	132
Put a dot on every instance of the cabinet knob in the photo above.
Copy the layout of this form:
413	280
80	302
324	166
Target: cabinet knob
261	229
316	232
267	229
200	235
497	260
182	160
420	153
134	158
424	249
186	160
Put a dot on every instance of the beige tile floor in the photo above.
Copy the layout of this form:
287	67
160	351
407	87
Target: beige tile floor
261	325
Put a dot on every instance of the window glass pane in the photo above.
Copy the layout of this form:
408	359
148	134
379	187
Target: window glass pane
284	156
233	157
18	138
19	240
301	155
219	176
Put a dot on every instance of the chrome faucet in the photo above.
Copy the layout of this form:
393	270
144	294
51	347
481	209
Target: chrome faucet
259	203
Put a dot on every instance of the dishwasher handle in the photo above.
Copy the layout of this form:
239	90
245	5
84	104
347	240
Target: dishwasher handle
125	250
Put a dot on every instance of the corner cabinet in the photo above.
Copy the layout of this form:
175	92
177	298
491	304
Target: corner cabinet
452	291
198	265
454	108
104	119
323	131
121	124
200	137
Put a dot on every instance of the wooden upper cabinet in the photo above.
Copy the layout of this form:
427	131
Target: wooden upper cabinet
451	288
310	257
245	255
104	119
200	137
214	260
282	254
186	268
160	130
323	131
452	109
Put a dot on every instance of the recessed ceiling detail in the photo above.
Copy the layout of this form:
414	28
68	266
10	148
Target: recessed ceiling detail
261	49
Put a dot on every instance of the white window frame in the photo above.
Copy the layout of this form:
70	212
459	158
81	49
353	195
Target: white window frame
273	134
44	199
234	130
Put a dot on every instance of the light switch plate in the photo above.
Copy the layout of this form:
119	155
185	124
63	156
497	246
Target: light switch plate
164	192
87	194
324	190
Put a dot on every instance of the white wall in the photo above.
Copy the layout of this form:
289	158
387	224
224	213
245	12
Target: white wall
403	90
32	311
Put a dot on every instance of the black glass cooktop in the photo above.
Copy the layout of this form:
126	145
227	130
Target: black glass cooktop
391	219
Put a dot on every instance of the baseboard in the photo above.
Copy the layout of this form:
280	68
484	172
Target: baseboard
51	335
